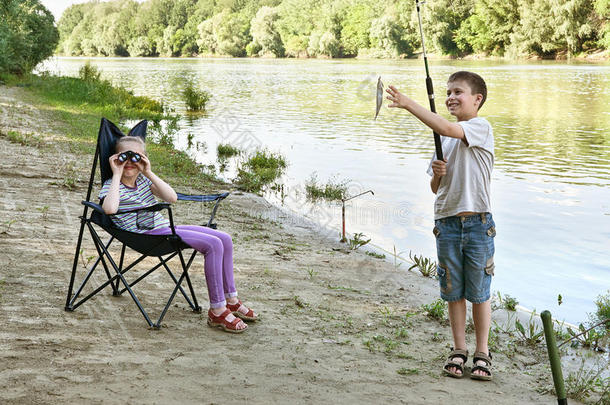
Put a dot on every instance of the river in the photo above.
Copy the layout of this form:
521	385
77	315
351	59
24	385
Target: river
550	185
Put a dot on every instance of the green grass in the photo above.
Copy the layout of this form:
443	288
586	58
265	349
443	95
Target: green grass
74	107
195	99
331	191
375	255
436	310
225	151
23	139
260	169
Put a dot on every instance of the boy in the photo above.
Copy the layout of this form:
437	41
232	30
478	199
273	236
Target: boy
464	228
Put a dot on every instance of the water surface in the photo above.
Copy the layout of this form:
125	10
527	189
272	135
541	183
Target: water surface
551	183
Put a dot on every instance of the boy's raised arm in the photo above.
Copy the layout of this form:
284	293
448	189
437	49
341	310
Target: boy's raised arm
432	120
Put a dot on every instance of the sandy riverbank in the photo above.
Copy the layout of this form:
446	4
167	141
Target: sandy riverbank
338	326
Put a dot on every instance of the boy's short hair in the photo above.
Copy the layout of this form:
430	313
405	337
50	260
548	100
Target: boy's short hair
476	83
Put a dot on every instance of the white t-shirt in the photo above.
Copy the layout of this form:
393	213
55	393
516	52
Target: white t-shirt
466	187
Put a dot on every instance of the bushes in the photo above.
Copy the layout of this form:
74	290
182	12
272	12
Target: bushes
195	99
261	168
27	35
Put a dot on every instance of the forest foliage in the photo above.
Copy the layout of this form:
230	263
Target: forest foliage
27	35
334	28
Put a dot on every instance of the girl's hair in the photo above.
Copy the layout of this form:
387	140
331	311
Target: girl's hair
135	139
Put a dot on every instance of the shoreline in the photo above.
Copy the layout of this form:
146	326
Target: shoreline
600	56
337	325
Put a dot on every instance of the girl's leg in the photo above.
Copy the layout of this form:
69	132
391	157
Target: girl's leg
213	250
227	271
227	257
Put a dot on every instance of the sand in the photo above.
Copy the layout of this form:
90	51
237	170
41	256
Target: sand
337	326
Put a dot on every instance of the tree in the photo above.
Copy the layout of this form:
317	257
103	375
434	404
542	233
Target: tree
264	31
489	28
602	9
386	35
356	28
226	33
27	35
441	21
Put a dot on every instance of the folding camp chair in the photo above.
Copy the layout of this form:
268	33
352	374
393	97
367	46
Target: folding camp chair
147	245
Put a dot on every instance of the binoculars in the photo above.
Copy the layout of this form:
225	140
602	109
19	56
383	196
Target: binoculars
132	156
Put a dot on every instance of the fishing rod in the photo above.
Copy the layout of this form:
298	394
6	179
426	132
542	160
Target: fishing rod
429	87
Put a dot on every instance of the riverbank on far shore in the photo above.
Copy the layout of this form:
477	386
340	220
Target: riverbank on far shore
337	325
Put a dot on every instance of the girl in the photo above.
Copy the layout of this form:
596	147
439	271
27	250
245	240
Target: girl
134	185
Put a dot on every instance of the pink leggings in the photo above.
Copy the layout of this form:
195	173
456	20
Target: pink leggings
217	249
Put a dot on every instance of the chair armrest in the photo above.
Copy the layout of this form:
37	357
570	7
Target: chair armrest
152	208
96	207
202	198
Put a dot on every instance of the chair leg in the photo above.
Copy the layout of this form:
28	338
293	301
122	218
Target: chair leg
86	279
68	307
196	307
182	277
102	250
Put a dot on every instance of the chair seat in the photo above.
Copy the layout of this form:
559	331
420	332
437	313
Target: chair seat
150	245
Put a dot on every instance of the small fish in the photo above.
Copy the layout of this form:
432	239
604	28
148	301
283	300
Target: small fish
379	96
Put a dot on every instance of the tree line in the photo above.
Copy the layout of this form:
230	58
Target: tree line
334	28
27	35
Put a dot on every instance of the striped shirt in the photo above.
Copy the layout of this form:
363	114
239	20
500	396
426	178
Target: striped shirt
133	198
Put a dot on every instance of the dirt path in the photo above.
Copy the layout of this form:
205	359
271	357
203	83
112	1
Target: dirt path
338	326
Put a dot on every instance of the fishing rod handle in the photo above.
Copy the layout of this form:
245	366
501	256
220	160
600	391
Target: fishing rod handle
430	89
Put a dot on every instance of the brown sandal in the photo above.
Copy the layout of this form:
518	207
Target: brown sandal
221	322
463	354
480	356
234	308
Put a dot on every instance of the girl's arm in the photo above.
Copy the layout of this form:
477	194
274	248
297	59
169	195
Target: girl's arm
437	123
158	187
112	199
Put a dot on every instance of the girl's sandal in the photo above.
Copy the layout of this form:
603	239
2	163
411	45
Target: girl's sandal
221	322
463	354
480	356
249	316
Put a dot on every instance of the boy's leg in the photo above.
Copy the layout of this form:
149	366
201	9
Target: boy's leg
478	270
451	280
481	314
457	319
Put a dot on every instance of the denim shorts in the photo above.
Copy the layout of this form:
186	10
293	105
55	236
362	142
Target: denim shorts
465	248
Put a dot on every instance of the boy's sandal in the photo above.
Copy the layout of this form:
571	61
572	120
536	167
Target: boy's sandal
480	356
249	316
221	322
463	354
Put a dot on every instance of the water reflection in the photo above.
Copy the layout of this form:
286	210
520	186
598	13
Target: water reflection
551	121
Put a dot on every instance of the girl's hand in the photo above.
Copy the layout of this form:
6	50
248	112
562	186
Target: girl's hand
144	165
397	98
439	167
116	166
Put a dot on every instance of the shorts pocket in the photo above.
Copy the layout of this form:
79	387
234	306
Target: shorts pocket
490	266
491	231
444	278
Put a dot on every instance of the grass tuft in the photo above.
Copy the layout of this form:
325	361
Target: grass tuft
226	151
260	169
195	99
331	191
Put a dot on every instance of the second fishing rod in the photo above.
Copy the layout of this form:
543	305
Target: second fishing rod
429	86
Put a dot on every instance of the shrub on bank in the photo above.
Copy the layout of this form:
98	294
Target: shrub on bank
195	99
261	168
27	35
